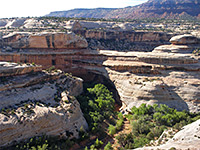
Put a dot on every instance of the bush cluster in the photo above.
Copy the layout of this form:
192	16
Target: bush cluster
97	104
44	143
118	125
149	122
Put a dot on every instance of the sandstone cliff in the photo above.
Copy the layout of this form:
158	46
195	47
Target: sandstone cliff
13	69
168	75
44	40
37	103
124	40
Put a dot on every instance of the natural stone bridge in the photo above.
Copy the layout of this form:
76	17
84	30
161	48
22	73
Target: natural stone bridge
168	75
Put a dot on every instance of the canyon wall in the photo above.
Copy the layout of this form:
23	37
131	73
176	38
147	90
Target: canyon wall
44	40
168	75
124	40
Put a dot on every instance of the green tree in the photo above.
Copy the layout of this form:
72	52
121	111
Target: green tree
98	143
108	146
111	129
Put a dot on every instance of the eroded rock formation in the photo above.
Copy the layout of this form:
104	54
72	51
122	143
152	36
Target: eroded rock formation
44	40
13	69
37	103
123	40
168	75
184	39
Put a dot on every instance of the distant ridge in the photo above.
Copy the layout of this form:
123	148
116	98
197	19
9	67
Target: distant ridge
174	9
83	12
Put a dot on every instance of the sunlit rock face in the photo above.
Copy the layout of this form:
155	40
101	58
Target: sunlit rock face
35	102
44	40
167	75
184	39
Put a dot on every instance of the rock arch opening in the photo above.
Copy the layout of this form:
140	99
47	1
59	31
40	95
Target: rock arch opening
94	78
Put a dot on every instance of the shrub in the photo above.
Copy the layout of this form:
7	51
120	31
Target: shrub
98	143
97	105
52	68
149	122
124	139
108	146
82	134
139	142
86	148
119	124
150	136
44	143
120	116
111	129
92	147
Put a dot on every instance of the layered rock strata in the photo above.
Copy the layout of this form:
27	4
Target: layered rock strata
124	40
168	75
38	103
12	69
44	40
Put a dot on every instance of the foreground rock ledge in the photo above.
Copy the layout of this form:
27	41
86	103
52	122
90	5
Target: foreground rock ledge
38	103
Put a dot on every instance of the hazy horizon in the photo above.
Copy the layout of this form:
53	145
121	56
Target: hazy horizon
36	8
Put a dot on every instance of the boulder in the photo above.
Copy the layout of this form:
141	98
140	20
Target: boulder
173	49
184	39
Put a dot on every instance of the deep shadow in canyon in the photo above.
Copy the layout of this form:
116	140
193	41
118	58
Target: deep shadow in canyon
90	79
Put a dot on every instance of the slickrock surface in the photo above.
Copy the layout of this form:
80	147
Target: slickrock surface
39	103
171	79
187	138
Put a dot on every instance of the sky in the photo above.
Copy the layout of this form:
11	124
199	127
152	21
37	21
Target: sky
36	8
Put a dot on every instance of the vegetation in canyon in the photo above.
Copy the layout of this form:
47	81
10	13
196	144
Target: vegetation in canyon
147	123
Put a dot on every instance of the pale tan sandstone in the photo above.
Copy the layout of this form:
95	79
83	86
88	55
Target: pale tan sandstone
44	40
12	69
173	49
163	77
184	39
44	120
41	103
